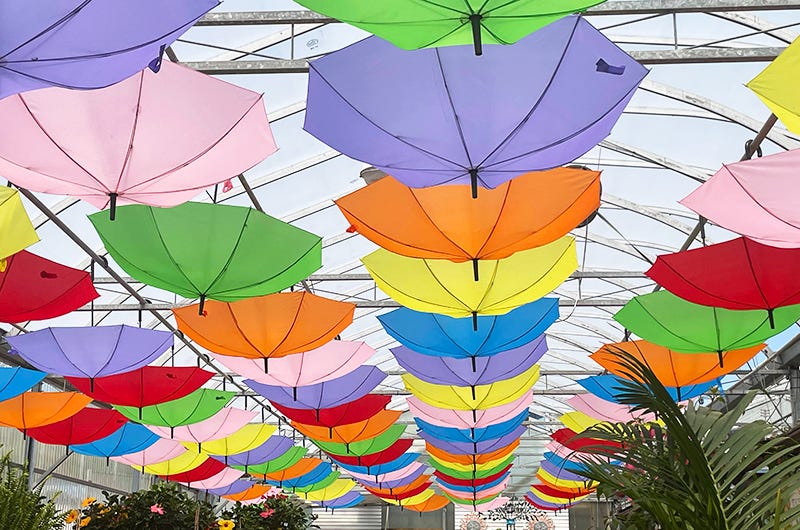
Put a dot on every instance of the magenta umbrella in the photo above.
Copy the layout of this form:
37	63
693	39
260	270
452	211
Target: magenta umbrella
335	359
462	419
224	478
161	451
155	139
221	425
603	410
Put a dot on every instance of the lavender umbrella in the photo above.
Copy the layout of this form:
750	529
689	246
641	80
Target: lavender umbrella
87	43
439	116
232	489
560	472
468	448
391	484
349	499
273	448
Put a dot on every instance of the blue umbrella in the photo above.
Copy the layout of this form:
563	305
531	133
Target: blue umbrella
348	500
388	467
391	484
609	387
15	381
469	448
560	472
563	463
473	436
131	438
317	474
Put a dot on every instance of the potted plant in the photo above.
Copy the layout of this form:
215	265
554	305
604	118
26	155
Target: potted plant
22	508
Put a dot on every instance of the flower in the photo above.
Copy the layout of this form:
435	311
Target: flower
87	501
226	524
85	521
71	516
156	508
267	513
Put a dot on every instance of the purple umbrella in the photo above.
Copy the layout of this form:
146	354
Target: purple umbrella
468	448
351	498
560	472
391	484
232	489
443	116
274	447
87	44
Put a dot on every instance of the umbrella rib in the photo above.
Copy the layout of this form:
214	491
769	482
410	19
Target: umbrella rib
757	202
699	288
169	254
497	220
670	332
242	333
443	286
69	15
111	352
129	150
453	109
429	218
409	295
224	268
294	321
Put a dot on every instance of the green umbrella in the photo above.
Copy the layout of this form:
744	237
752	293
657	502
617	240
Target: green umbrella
413	24
286	460
322	484
202	250
192	408
364	447
664	319
468	475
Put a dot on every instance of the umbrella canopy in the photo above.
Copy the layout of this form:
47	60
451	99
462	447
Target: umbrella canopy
468	461
231	263
237	487
441	335
483	446
486	471
34	288
465	484
114	138
15	225
319	484
415	499
569	439
397	468
361	409
432	504
547	489
88	44
578	421
611	387
179	464
320	473
334	491
490	131
192	408
473	435
556	471
578	486
298	469
391	453
445	287
379	443
415	472
475	493
84	427
464	420
149	385
478	505
14	381
224	423
91	351
352	432
161	451
36	409
753	198
266	327
332	360
255	491
443	222
409	469
287	459
772	86
601	409
403	492
204	471
130	438
333	393
535	499
242	442
224	478
348	500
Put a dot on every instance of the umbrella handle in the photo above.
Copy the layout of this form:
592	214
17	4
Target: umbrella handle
112	205
475	20
473	181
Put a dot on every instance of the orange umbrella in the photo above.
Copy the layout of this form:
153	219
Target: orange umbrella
35	409
437	502
400	490
302	467
469	460
276	325
444	222
351	432
254	492
673	368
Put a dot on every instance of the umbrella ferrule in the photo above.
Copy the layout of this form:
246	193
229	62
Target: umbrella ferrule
473	181
475	20
474	321
112	205
475	271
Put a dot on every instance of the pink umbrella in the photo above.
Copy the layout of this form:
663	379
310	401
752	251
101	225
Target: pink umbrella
479	494
464	419
392	475
155	139
603	410
221	425
161	451
335	359
755	198
226	477
486	506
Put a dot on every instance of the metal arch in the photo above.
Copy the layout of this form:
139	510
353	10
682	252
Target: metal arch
757	23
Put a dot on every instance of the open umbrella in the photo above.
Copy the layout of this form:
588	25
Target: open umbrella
773	84
34	288
243	252
304	473
469	483
415	472
209	468
161	451
442	222
36	409
287	459
14	381
149	385
479	505
431	504
409	469
91	351
184	462
391	453
473	436
451	121
415	499
334	491
577	486
464	420
130	438
753	198
475	493
535	499
364	447
319	484
106	146
226	477
232	489
469	447
87	44
547	489
578	421
192	408
486	471
403	492
15	225
610	387
266	327
399	467
442	335
601	409
570	439
448	288
86	426
255	491
221	425
468	461
564	463
348	500
352	432
247	439
556	471
355	411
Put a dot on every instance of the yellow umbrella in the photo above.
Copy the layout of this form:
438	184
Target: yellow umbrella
564	484
16	230
445	287
411	501
578	421
479	397
180	464
245	439
334	491
776	85
480	466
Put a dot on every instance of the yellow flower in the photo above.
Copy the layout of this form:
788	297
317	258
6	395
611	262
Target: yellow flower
85	521
87	501
226	524
104	511
71	516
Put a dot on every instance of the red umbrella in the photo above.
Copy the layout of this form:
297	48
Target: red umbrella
392	453
737	274
471	482
359	410
34	288
566	437
207	469
85	427
552	491
422	480
401	493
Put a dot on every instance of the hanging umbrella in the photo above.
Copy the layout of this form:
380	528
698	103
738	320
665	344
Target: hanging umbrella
243	252
91	351
287	459
400	473
464	420
184	462
16	227
486	132
36	409
192	408
772	86
221	425
442	222
130	438
475	493
34	288
399	467
319	484
577	486
14	381
300	475
87	426
272	448
298	469
556	492
333	393
348	500
204	471
601	409
391	453
161	451
578	421
334	491
564	463
556	471
477	505
237	487
416	499
535	499
149	385
226	477
441	335
415	472
246	439
88	44
364	447
266	327
610	387
332	360
753	198
403	492
441	286
255	491
473	436
485	472
352	432
62	132
355	411
556	497
467	448
468	461
432	504
569	438
471	483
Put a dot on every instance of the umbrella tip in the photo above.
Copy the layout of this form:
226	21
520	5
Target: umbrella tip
475	20
112	205
473	181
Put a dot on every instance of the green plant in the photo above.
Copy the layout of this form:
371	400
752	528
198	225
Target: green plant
701	470
277	512
22	508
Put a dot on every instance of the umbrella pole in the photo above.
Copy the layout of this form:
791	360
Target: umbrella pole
472	387
770	314
294	393
474	365
474	321
473	180
475	272
112	206
202	304
719	356
266	365
475	20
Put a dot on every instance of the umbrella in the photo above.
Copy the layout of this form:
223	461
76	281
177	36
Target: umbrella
467	448
475	493
34	288
361	409
464	420
221	425
232	489
738	274
535	498
192	408
578	486
287	459
323	483
18	232
601	409
442	222
88	44
416	472
454	121
36	409
441	335
318	472
753	198
224	478
433	503
470	483
570	439
352	432
86	426
332	360
477	505
473	436
415	499
106	146
473	371
91	351
382	441
334	491
333	393
249	438
556	471
243	252
391	453
485	472
441	286
547	489
610	387
397	468
161	451
184	462
469	461
409	469
14	381
415	488
255	491
564	463
204	471
266	327
130	438
479	397
772	86
149	385
348	500
299	469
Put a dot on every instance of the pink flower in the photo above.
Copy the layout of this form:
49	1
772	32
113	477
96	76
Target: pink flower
267	513
156	508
